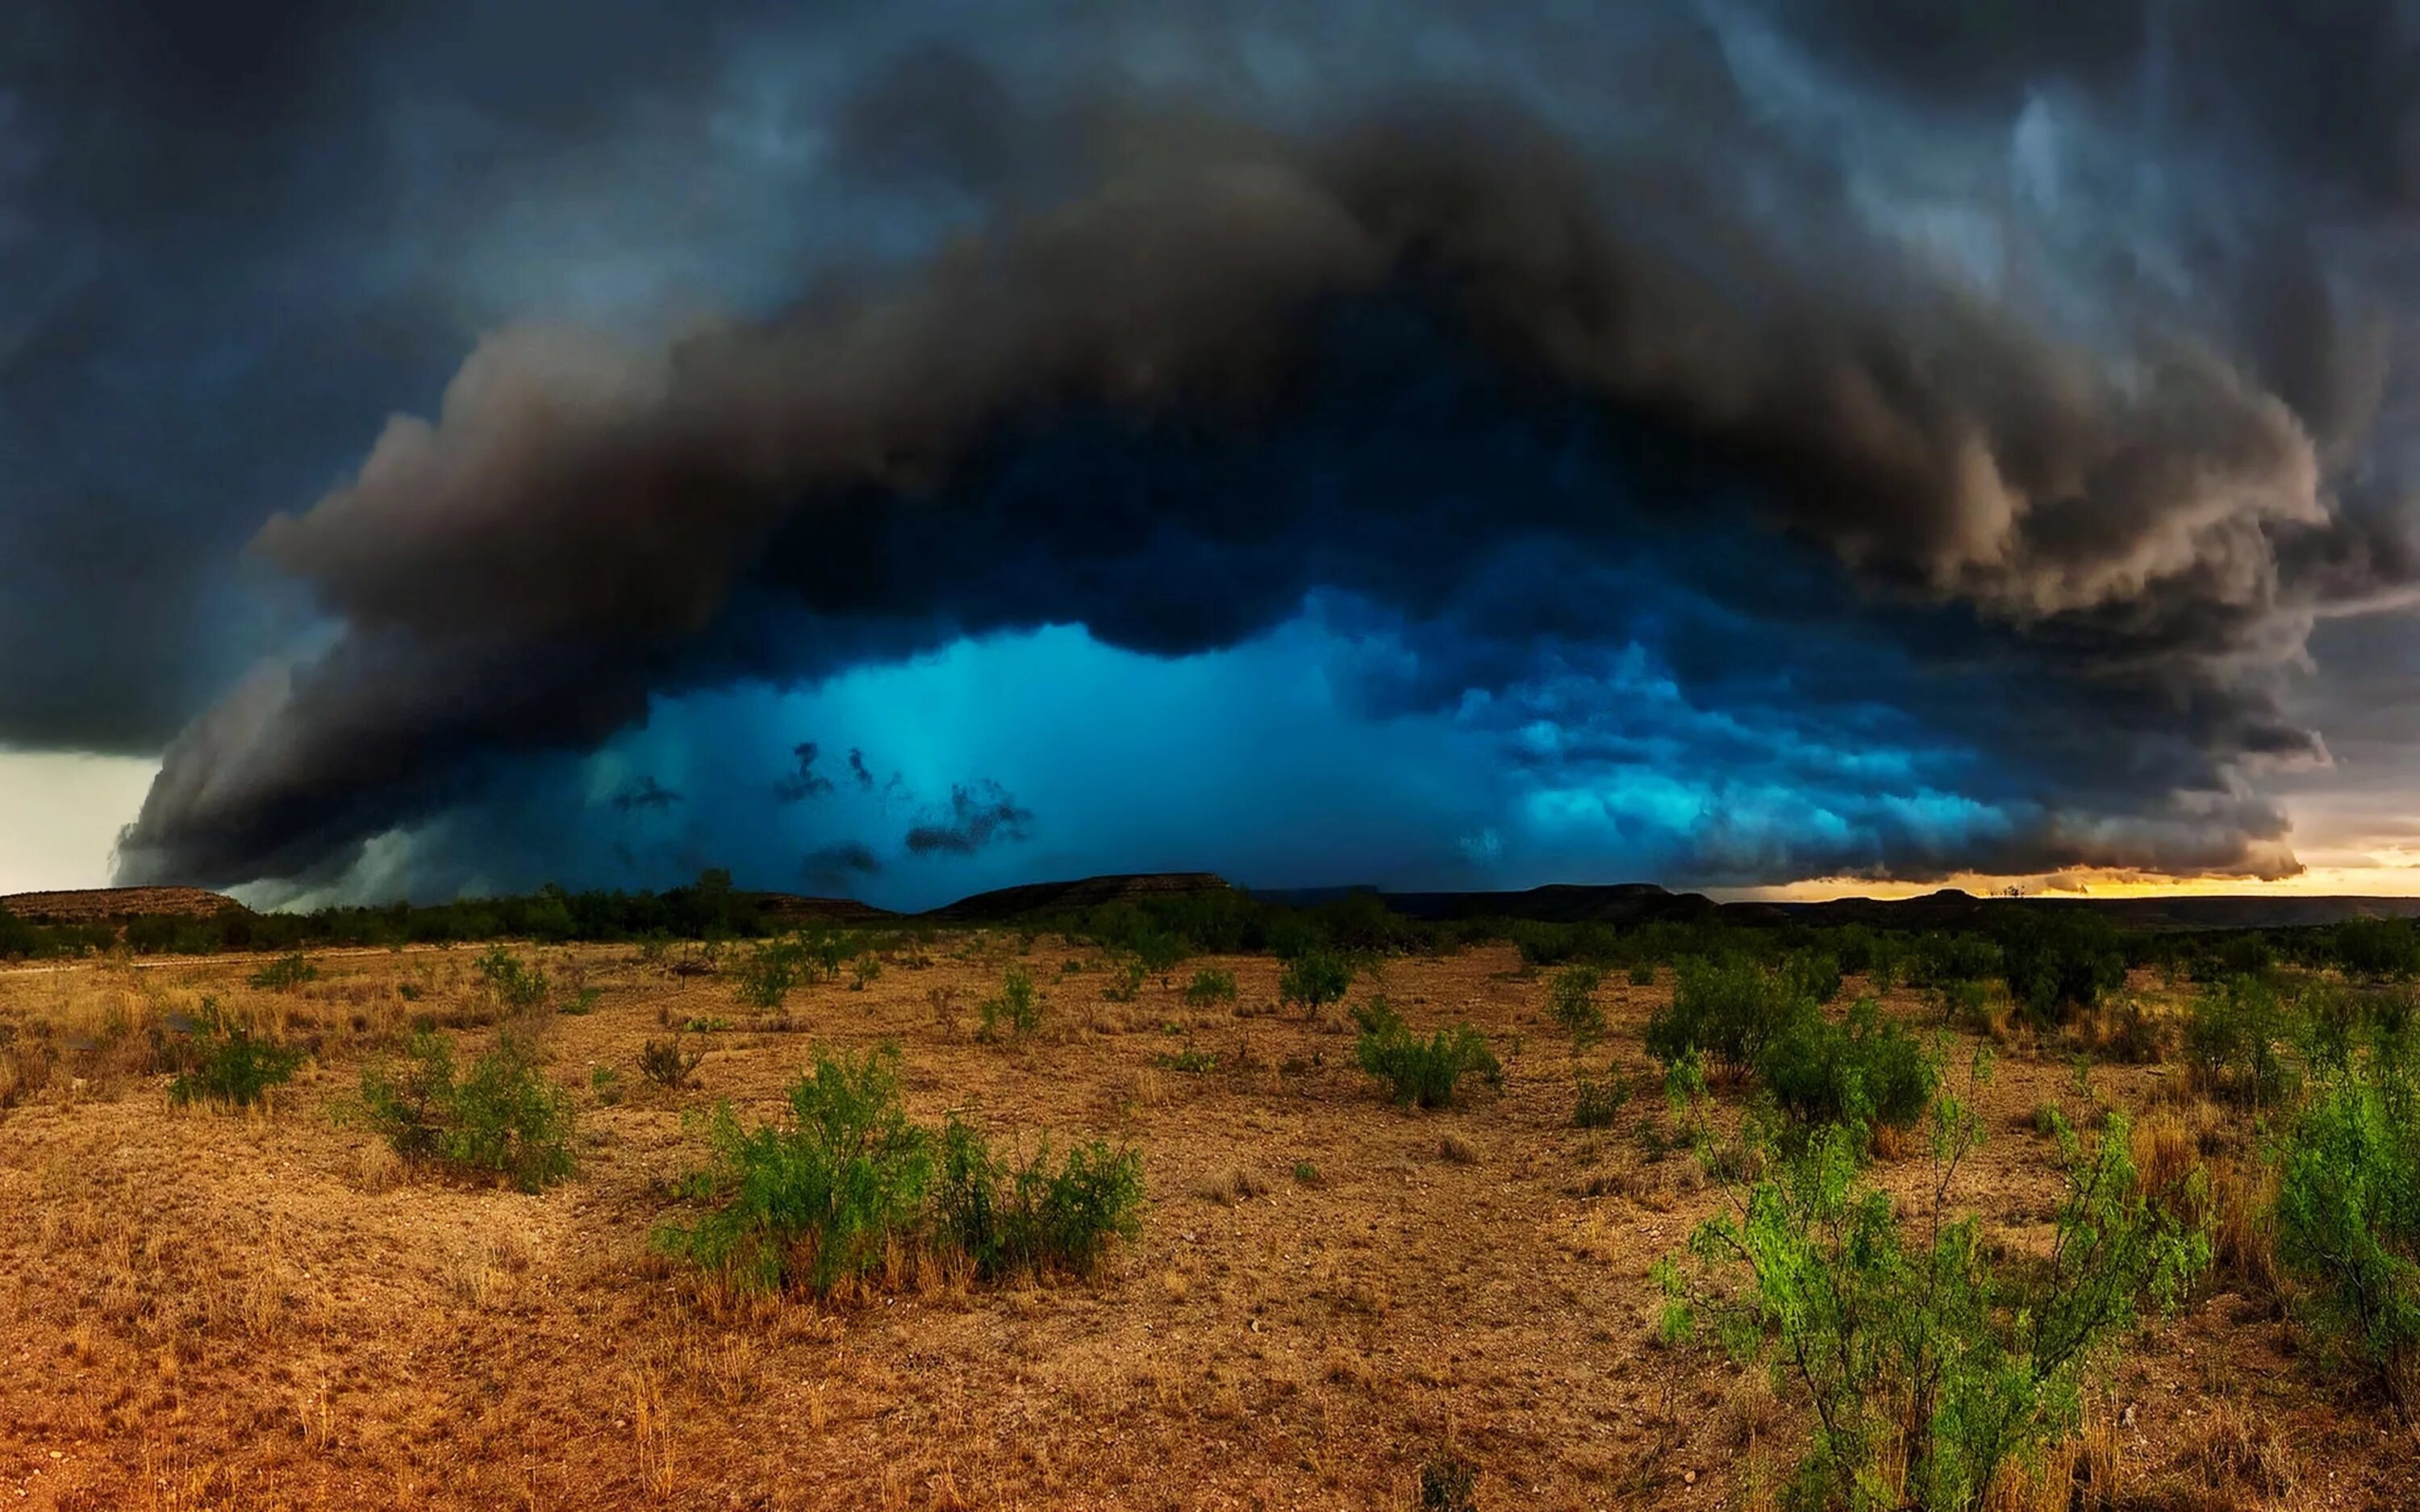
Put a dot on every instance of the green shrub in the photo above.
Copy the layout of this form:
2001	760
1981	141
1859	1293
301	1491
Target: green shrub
1001	1218
765	978
1931	1359
865	968
1599	1103
1015	1006
1729	1010
231	1067
1420	1073
667	1063
1126	979
1862	1070
1191	1062
1570	1002
1209	988
2378	948
606	1083
1313	979
1642	974
850	1187
517	985
502	1117
1449	1484
1812	976
285	973
2056	963
2349	1214
2233	1035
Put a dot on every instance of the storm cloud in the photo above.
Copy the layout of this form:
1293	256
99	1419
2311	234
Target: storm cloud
1751	384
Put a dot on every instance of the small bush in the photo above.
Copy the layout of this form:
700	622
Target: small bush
2232	1042
1863	1071
1195	1061
1449	1484
502	1117
1642	974
234	1069
1930	1360
606	1083
1812	976
850	1187
1313	979
1209	988
1015	1006
1306	1174
1002	1218
1126	975
1599	1103
668	1063
1730	1010
1570	1002
1420	1073
285	973
765	978
864	970
517	985
2348	1215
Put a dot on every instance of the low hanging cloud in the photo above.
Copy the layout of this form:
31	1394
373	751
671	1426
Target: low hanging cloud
805	782
2093	550
979	814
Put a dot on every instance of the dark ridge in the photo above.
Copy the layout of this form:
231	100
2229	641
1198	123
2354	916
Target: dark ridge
1561	902
116	905
787	910
1066	896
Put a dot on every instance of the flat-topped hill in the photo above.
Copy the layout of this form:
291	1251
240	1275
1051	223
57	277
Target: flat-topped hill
89	906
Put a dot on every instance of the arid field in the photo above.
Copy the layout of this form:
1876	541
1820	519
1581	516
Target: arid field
269	1310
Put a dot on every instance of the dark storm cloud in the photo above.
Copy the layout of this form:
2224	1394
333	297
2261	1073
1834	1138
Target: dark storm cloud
2076	461
805	782
840	866
645	796
858	769
979	814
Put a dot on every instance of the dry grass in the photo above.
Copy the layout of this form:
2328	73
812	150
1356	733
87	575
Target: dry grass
204	1310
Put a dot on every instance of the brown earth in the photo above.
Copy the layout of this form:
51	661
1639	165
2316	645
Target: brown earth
205	1310
101	904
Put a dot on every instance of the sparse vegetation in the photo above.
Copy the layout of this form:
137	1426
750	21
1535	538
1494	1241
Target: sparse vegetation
285	973
1315	979
1570	1002
850	1188
1419	1073
517	986
1015	1006
669	1063
503	1115
1600	1100
1210	988
1929	1362
228	1066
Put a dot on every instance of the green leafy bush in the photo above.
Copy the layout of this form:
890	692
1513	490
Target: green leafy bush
1209	988
1642	974
1930	1360
1015	1005
231	1067
864	970
2349	1214
517	986
1729	1010
850	1187
2378	948
503	1115
1810	975
1570	1002
1862	1070
765	978
2057	962
1420	1073
1126	973
2233	1037
1001	1217
1313	979
285	973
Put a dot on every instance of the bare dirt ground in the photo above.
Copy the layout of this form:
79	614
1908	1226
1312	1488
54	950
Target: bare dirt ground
263	1310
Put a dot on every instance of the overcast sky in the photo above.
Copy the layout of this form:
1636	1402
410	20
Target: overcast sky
898	449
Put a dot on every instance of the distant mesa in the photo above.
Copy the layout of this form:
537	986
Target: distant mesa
106	905
1066	896
790	910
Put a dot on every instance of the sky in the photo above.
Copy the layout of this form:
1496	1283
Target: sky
1758	445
